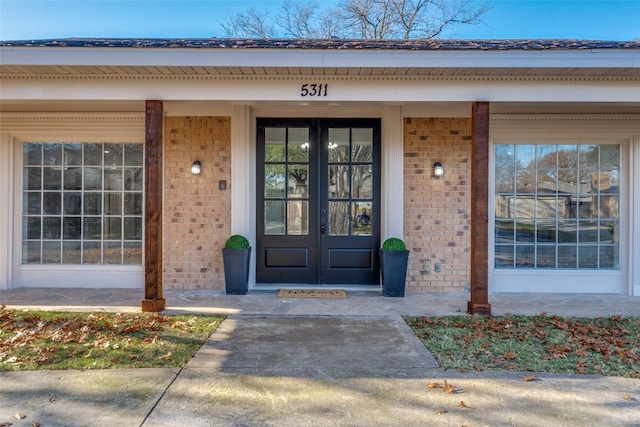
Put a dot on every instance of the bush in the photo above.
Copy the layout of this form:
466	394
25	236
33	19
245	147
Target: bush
237	242
393	244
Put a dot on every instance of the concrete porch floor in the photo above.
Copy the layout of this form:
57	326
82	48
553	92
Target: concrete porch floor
364	303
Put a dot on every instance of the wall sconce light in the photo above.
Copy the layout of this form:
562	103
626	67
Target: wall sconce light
438	169
195	167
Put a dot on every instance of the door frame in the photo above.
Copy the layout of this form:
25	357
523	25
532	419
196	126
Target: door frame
320	258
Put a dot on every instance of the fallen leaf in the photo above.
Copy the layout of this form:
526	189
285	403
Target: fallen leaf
35	425
165	357
463	370
6	423
462	404
510	355
627	396
19	416
530	378
434	385
448	388
441	411
52	399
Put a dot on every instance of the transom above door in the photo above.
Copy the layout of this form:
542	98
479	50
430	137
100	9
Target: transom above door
318	201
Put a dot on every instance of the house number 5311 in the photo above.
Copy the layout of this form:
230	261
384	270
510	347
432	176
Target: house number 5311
314	89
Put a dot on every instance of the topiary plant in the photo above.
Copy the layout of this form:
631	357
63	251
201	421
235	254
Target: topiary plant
394	244
237	242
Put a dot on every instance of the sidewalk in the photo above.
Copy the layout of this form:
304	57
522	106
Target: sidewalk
316	362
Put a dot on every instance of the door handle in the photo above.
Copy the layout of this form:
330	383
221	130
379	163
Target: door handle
323	224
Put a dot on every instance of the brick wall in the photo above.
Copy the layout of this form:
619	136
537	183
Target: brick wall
437	209
197	215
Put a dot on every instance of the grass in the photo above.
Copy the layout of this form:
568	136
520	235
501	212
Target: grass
606	346
34	340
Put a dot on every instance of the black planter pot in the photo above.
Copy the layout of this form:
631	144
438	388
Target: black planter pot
393	269
236	270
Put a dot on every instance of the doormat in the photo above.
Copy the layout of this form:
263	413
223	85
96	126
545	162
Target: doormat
312	293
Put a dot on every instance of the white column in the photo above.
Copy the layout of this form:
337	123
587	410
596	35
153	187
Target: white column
633	166
6	209
392	173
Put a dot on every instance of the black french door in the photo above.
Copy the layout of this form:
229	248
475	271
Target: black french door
318	192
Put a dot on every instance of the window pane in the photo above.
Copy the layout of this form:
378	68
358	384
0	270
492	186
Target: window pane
274	181
51	252
73	179
298	181
298	218
132	253
505	157
92	179
609	232
112	203
338	218
567	257
31	252
72	228
588	156
91	252
32	203
298	144
52	154
32	179
71	252
72	203
504	231
546	232
504	256
525	231
52	203
546	257
588	231
133	203
113	154
338	145
52	227
362	145
363	222
92	228
112	253
133	179
73	154
113	179
609	257
567	231
92	203
133	154
32	227
505	181
93	154
361	180
112	228
525	157
32	153
274	217
610	157
52	178
133	228
588	257
339	182
275	145
525	255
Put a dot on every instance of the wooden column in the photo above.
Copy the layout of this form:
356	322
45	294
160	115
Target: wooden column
479	303
153	299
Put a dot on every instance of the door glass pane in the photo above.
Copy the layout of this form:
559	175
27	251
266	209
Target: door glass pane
362	213
338	145
92	178
546	257
51	203
274	181
112	253
525	256
93	154
31	252
339	181
298	217
274	217
362	145
362	182
132	253
133	154
338	218
72	154
113	179
52	178
113	154
52	154
51	227
51	253
91	253
298	145
298	181
275	145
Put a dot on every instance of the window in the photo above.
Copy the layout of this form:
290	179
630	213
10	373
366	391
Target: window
82	203
557	206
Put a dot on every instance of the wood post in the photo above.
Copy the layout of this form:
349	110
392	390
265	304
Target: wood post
479	303
154	117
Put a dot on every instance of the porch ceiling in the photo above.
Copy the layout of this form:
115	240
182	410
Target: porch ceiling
113	70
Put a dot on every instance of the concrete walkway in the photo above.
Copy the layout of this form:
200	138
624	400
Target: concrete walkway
315	362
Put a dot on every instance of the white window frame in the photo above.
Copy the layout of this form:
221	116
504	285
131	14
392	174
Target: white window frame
60	127
581	129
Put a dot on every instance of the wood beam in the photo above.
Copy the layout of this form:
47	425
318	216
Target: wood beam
479	302
154	116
